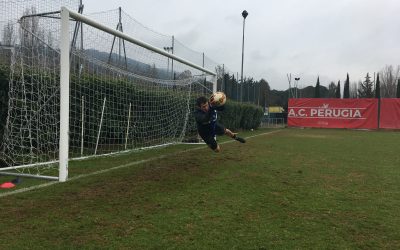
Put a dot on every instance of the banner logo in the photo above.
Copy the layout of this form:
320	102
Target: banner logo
324	111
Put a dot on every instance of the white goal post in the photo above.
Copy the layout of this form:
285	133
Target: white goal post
65	95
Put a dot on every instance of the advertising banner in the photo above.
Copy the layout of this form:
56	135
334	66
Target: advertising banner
390	113
333	113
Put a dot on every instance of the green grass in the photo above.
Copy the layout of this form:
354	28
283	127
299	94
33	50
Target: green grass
293	189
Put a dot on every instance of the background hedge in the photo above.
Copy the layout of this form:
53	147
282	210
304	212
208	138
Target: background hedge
236	116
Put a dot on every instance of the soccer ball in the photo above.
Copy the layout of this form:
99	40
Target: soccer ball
218	99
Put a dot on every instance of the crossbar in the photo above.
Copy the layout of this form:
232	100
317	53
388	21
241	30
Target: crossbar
124	36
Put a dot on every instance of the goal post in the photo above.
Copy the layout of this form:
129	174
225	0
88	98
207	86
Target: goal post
64	95
55	113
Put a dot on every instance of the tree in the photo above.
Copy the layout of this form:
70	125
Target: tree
365	89
264	92
377	88
30	28
249	88
8	34
184	75
398	88
337	92
229	86
224	84
219	71
346	88
244	88
235	88
317	93
388	79
50	39
221	79
152	71
332	90
354	89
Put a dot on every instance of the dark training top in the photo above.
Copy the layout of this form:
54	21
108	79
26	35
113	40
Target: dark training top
207	121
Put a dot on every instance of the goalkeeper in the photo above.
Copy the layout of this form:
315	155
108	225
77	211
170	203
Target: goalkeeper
207	125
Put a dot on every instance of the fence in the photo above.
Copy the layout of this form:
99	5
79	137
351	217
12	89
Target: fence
268	122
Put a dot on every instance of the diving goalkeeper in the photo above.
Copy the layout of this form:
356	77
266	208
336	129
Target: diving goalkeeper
207	125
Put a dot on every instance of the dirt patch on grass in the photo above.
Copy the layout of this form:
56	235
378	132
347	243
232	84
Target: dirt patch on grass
356	175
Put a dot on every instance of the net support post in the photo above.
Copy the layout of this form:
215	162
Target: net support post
214	82
64	95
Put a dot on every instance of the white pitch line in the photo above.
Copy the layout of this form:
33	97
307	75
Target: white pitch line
266	133
22	190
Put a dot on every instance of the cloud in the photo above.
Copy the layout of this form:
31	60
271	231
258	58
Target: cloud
308	37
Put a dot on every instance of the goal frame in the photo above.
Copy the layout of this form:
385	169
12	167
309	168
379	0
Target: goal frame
66	16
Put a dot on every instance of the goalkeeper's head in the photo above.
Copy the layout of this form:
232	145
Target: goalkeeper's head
202	103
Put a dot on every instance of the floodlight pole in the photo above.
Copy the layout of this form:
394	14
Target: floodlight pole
244	15
296	86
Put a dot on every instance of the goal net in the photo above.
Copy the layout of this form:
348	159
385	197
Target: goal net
81	89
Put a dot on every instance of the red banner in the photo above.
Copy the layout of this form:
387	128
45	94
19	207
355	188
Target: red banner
333	113
390	113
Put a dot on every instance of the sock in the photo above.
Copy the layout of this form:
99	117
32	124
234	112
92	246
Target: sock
239	139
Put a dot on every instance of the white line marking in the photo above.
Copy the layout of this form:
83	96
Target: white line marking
22	190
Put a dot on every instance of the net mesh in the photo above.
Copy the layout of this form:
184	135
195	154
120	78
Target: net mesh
118	101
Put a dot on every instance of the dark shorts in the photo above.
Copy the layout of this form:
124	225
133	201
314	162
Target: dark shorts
206	135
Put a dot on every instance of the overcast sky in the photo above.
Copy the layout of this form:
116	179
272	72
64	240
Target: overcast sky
307	38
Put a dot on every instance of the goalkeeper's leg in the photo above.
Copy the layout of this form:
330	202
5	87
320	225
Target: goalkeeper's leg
210	141
234	136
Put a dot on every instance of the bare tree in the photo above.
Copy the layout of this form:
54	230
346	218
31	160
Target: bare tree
30	28
332	90
50	39
220	71
354	89
388	77
8	34
220	78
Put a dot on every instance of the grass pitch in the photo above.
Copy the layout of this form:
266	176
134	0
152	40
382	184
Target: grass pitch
292	189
